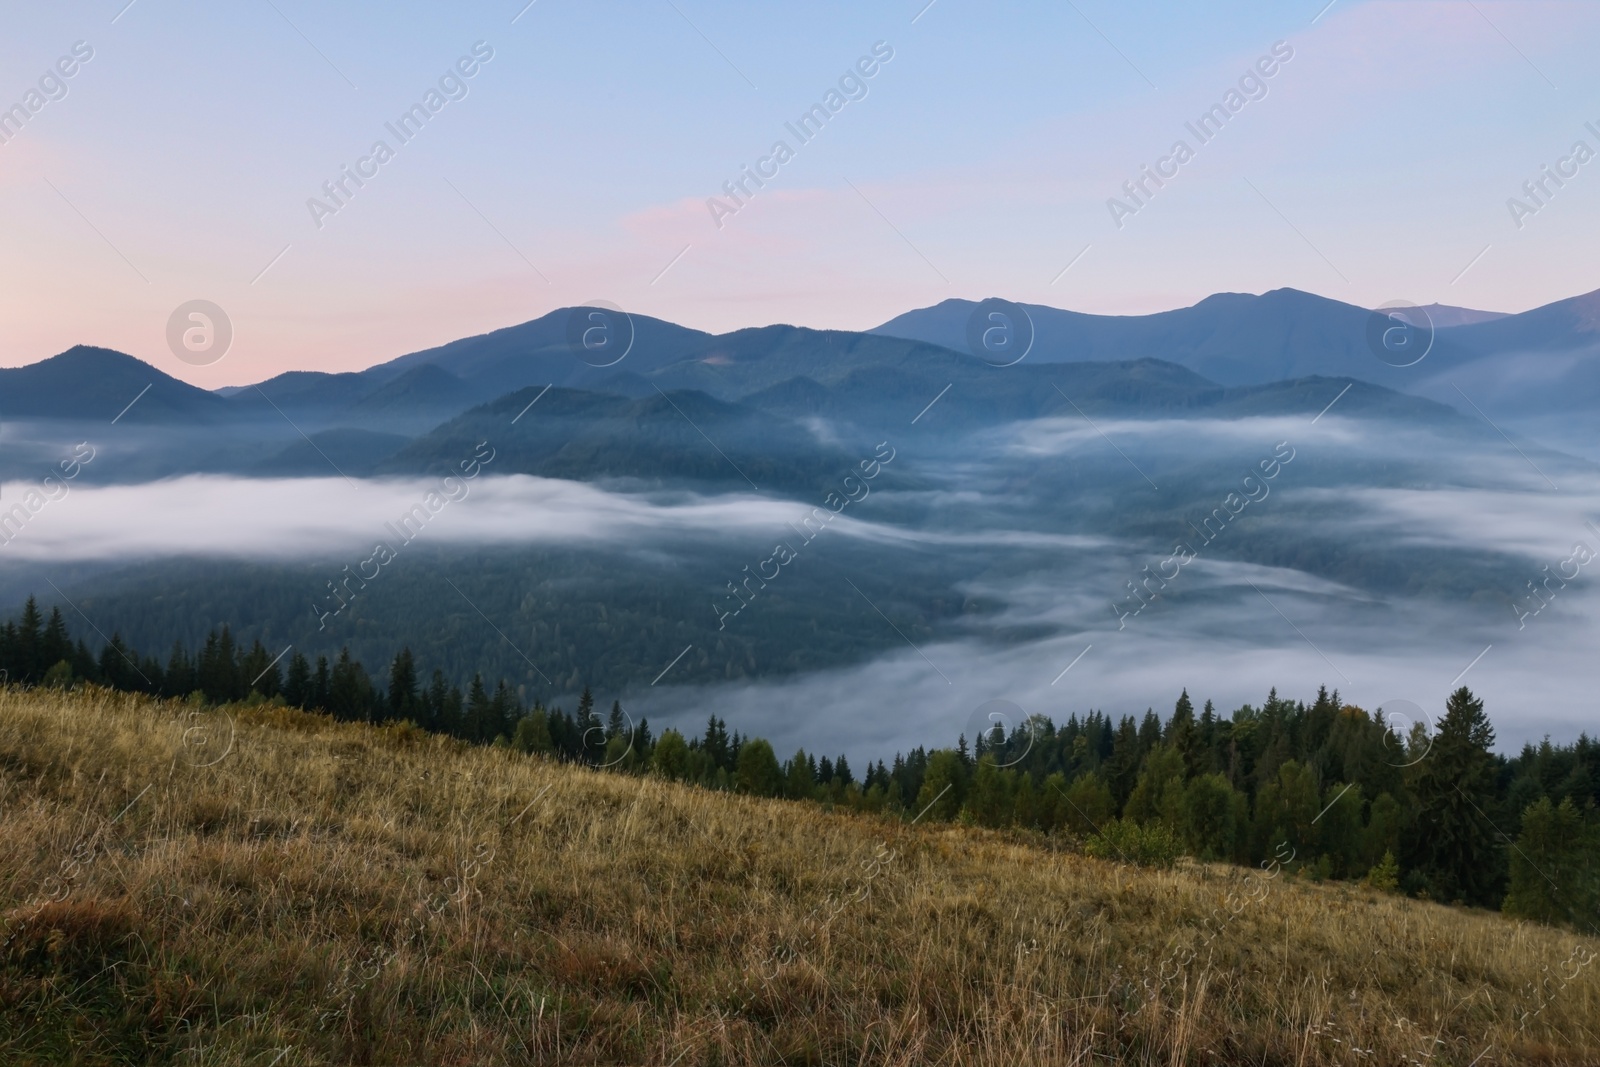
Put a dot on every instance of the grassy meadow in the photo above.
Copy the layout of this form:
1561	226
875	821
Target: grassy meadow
252	885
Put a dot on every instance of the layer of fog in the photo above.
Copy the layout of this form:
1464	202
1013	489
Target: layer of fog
277	518
1231	631
289	518
1471	452
1227	630
1287	631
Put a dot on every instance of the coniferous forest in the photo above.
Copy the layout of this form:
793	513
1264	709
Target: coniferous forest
1324	789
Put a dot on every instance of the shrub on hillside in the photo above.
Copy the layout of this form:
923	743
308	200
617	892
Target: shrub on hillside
1147	845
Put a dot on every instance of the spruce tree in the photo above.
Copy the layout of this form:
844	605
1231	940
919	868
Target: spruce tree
350	694
28	644
436	703
1122	769
477	711
117	668
1454	852
10	671
1149	731
1210	759
403	685
715	743
504	711
452	714
591	734
297	686
230	682
321	685
1183	736
259	672
55	645
799	781
179	678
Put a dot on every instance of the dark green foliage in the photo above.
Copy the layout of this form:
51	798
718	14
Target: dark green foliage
799	779
403	703
759	773
1209	819
656	439
533	734
1125	841
1555	866
1085	805
1456	850
671	757
944	785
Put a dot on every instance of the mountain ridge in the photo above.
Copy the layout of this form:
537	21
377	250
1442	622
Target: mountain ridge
1226	341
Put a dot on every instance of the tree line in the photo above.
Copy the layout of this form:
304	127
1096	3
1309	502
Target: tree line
1335	788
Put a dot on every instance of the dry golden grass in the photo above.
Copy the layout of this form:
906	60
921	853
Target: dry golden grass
286	890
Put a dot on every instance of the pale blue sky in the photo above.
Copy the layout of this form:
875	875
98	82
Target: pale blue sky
178	165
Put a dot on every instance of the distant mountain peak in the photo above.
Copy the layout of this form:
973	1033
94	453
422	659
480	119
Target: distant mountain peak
94	383
94	355
1447	315
1585	308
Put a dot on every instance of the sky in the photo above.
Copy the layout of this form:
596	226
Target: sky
576	163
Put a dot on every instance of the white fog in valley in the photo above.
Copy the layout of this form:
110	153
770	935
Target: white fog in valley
1053	555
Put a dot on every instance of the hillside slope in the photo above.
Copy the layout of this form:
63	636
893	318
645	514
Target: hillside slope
261	886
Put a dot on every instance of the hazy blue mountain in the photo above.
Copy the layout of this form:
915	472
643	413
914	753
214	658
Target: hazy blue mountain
96	384
1227	356
417	391
1536	373
1444	315
354	453
1563	326
1543	360
1231	338
541	352
303	392
984	396
665	438
1240	339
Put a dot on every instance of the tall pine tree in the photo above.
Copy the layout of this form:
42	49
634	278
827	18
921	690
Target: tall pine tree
1454	853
